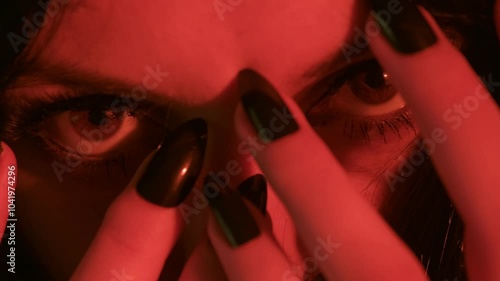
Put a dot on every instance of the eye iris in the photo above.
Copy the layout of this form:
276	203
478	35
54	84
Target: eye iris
371	86
95	122
95	117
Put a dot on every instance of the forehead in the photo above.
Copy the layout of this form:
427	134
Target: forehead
201	44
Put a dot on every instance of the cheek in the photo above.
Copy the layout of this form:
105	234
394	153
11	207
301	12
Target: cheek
60	218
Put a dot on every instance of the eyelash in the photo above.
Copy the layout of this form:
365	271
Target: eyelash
18	124
88	165
393	121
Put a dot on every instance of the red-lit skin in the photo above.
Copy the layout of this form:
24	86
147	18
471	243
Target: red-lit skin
203	55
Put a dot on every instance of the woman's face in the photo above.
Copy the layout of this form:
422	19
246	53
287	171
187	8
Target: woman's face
143	66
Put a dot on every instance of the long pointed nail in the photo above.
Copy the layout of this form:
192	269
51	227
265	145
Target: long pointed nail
174	168
264	107
234	218
255	190
403	25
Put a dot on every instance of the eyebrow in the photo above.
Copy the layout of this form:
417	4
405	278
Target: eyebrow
38	98
79	82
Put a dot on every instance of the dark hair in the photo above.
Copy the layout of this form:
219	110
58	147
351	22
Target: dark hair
419	210
11	16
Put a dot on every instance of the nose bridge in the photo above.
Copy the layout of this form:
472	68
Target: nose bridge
225	158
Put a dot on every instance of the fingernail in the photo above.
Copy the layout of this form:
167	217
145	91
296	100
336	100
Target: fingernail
403	25
255	190
234	218
264	107
174	168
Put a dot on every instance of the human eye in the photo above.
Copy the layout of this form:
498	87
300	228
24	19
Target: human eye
88	132
361	103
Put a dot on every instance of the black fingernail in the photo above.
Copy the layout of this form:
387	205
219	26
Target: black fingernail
235	219
172	172
403	25
255	190
264	107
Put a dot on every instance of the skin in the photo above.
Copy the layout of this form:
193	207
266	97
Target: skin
282	40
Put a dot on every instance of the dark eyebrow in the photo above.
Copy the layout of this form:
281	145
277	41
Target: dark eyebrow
38	93
78	81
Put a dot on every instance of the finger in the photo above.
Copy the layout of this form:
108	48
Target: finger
142	225
8	182
457	116
317	191
246	250
460	122
203	265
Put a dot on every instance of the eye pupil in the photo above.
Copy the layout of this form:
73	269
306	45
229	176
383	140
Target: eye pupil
95	117
372	86
98	121
375	78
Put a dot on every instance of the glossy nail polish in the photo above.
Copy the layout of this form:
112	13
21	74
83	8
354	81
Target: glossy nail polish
235	220
264	107
255	190
403	25
173	170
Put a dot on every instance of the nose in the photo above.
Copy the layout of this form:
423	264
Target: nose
226	164
227	160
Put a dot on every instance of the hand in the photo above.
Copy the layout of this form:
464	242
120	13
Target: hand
143	223
324	206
